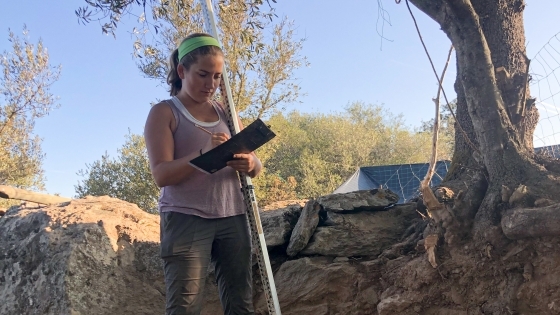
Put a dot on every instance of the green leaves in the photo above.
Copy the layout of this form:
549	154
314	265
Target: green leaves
127	177
312	155
446	142
320	151
261	68
112	11
26	77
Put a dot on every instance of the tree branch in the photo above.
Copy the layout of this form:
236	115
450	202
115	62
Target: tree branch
429	198
432	8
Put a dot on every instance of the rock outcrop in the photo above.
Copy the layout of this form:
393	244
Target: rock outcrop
89	256
375	199
305	227
362	233
278	224
100	255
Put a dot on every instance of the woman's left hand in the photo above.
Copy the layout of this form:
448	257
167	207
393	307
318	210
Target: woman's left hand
243	163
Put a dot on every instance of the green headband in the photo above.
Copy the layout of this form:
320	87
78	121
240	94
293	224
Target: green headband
193	43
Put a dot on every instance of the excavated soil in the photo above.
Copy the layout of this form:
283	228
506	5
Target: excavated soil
520	278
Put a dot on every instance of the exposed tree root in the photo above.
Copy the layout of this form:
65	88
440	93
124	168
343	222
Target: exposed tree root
519	278
531	222
409	241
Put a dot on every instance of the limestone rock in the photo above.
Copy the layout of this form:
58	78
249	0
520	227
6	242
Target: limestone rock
88	256
305	227
364	233
278	224
100	255
340	259
392	305
313	285
97	255
375	199
401	303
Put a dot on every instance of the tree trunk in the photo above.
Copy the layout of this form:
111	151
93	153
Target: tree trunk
502	25
492	107
466	161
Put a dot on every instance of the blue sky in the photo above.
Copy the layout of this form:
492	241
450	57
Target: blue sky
103	94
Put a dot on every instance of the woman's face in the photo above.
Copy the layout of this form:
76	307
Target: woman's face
203	77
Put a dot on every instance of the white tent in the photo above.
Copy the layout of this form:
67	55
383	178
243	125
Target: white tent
403	179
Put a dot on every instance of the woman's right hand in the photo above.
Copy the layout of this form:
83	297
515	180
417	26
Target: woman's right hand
219	138
215	140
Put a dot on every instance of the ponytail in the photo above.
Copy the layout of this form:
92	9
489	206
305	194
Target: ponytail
173	78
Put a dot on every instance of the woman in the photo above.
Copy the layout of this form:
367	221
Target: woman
203	216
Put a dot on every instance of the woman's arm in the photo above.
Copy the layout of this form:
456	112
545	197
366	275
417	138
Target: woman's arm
159	143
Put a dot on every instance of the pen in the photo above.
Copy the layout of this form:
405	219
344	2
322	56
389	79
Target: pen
201	128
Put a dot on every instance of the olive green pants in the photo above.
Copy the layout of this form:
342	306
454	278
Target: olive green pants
188	244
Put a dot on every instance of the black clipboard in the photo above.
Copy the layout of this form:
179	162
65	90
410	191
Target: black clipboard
246	141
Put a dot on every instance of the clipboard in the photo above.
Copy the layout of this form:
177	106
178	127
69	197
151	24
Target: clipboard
247	140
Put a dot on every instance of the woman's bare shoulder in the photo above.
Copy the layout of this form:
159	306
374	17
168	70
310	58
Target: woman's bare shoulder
162	107
162	114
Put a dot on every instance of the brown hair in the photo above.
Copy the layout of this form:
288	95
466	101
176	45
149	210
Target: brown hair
173	78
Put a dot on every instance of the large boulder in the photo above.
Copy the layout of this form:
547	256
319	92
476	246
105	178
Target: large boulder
89	256
374	199
361	223
278	224
305	227
361	233
319	286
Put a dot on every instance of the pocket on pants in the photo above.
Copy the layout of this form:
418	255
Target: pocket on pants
177	233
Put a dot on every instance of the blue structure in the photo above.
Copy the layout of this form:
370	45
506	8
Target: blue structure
403	179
